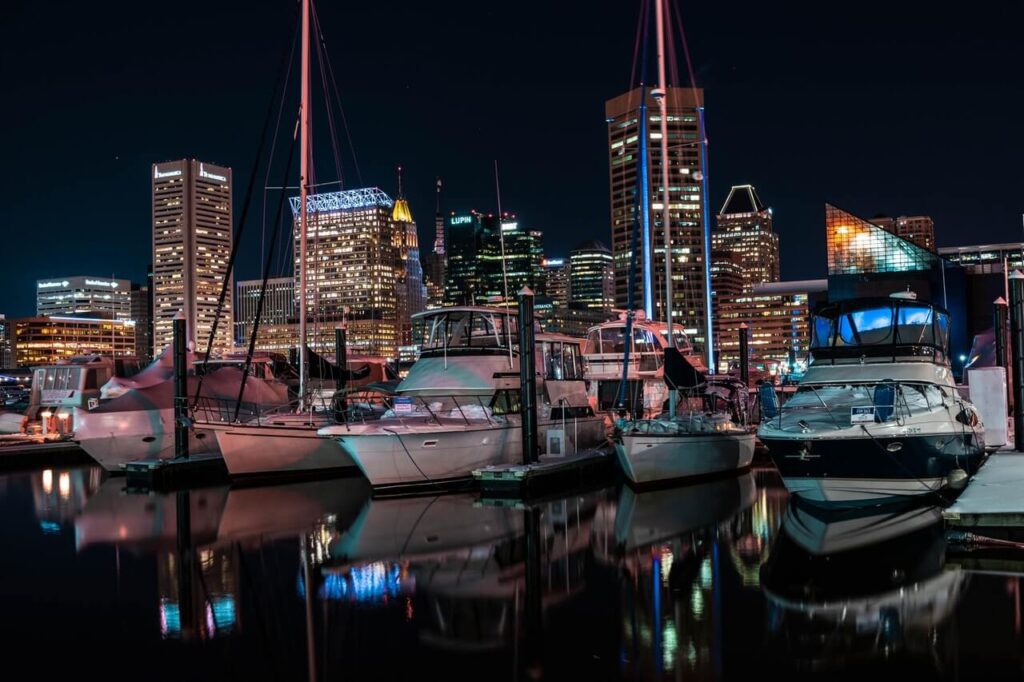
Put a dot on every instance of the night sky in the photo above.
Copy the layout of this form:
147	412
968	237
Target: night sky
888	107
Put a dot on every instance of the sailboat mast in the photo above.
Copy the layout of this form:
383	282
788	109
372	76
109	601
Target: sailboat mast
303	193
662	96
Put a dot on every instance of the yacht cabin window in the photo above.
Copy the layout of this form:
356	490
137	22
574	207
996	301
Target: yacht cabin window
469	329
561	361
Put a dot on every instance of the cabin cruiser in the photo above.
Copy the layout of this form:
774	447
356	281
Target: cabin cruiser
846	586
877	417
134	418
65	388
458	409
607	354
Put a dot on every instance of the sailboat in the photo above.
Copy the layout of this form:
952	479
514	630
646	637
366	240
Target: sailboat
711	435
286	442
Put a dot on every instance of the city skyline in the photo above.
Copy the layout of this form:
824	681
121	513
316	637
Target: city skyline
804	143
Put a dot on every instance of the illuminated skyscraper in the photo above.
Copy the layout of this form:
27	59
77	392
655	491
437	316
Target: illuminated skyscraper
353	268
464	241
436	260
412	294
634	133
191	246
745	228
591	277
556	281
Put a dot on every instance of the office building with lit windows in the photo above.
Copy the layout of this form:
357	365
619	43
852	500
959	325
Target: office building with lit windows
556	281
634	133
47	340
919	229
192	223
464	241
523	260
777	315
278	305
744	227
84	294
6	358
353	270
412	292
142	315
591	277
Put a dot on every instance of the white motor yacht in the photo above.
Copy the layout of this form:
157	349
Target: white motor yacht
877	416
458	408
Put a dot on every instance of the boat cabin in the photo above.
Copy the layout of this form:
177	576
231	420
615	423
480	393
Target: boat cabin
605	349
875	330
73	383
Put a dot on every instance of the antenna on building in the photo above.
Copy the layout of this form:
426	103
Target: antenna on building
400	195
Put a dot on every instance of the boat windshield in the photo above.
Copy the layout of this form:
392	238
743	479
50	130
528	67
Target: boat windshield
464	329
903	328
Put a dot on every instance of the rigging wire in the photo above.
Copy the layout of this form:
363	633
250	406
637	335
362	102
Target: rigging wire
341	110
327	100
247	202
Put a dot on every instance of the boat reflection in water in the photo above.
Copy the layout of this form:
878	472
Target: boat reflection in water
861	586
60	494
198	538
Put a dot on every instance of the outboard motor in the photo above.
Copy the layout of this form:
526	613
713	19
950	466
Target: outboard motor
769	401
884	401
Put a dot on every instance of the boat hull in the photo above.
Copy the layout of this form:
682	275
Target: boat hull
278	451
397	455
653	458
852	471
115	438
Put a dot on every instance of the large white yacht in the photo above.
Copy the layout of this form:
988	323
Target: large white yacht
877	415
458	408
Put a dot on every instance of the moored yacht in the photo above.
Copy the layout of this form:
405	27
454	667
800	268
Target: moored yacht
459	407
877	415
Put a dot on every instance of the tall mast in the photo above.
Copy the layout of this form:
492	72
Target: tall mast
662	96
303	193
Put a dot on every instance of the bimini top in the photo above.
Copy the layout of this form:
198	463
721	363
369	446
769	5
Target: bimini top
469	330
880	330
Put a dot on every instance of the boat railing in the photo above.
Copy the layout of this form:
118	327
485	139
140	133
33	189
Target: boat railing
898	407
609	365
431	410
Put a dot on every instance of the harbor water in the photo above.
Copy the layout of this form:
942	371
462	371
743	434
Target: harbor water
722	579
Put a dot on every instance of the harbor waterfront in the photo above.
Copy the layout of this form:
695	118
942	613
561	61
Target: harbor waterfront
719	579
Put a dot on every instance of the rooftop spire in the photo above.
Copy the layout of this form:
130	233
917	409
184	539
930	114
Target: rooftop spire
401	212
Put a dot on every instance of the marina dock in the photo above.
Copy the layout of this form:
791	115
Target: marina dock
21	451
994	499
562	473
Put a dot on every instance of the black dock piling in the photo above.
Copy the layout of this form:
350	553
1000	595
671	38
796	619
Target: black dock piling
1017	352
180	389
527	376
744	355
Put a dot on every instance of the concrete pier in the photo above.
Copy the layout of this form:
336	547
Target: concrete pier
994	498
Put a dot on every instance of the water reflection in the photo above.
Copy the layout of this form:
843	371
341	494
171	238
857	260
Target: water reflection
862	586
319	580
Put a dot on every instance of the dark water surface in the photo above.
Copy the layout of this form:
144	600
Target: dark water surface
723	579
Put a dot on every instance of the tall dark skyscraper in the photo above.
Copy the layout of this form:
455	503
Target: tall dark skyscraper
634	126
464	240
745	228
523	259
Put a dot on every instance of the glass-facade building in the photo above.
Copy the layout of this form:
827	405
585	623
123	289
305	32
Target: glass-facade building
465	236
278	305
523	259
745	228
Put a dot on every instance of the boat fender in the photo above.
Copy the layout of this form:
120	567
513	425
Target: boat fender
957	479
967	416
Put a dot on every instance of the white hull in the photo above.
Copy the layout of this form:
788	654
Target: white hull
650	458
390	453
115	438
849	490
278	450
